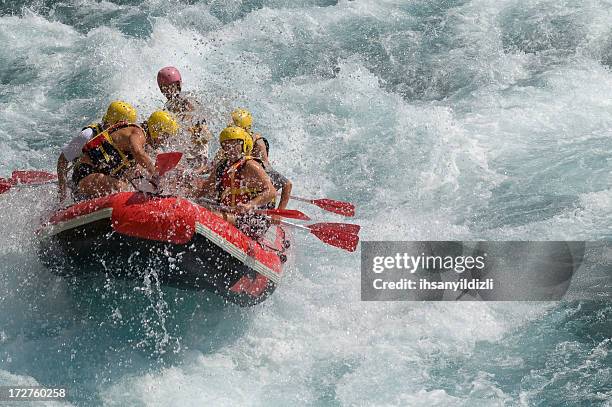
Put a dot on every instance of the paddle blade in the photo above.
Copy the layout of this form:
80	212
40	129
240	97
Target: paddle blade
4	186
286	213
32	177
167	161
339	207
341	240
340	227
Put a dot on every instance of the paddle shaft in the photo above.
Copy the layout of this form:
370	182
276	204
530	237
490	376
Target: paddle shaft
217	205
297	198
295	225
164	162
282	213
35	184
330	205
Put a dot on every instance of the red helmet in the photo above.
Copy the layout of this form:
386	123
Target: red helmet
168	75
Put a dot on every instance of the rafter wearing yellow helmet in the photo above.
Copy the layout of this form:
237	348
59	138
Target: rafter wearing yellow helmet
162	124
240	183
242	118
106	159
119	111
237	133
261	149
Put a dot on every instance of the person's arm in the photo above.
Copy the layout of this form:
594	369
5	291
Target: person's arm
256	177
262	153
219	157
62	173
204	189
200	134
137	146
280	182
70	152
287	186
204	168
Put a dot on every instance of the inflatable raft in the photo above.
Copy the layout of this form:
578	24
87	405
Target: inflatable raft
128	234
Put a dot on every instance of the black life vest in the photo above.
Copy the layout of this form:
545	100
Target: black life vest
105	156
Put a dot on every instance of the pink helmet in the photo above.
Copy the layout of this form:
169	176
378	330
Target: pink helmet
168	75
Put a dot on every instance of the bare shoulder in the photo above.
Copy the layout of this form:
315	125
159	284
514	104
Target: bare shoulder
135	131
253	164
133	135
254	167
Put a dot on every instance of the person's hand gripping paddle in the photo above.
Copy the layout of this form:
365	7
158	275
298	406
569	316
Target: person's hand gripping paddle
163	163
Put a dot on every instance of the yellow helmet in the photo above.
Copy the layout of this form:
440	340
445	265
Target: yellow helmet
237	133
119	111
161	122
242	118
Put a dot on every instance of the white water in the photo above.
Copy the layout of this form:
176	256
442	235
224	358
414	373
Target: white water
440	120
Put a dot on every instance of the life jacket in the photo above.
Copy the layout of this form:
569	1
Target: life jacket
229	185
105	156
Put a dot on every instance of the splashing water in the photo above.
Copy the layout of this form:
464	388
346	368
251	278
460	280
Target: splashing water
441	120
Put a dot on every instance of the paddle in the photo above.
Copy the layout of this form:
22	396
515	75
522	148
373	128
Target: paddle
163	163
349	228
4	185
32	177
283	213
330	205
19	178
334	234
167	161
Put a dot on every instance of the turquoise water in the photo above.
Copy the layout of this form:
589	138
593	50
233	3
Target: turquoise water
439	119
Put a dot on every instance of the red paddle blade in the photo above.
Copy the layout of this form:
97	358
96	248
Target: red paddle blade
339	207
167	161
342	240
32	177
286	213
4	186
339	227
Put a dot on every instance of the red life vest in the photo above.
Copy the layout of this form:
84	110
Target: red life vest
231	185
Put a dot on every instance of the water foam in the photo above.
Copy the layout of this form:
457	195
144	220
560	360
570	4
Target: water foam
465	120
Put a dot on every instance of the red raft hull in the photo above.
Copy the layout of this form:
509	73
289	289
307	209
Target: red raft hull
127	235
